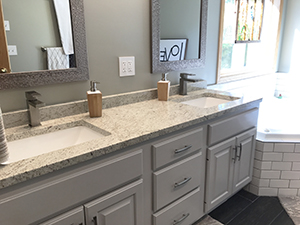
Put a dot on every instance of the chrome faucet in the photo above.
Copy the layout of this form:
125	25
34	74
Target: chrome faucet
34	106
183	82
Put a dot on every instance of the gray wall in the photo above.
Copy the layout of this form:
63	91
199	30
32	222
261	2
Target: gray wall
32	25
290	48
118	28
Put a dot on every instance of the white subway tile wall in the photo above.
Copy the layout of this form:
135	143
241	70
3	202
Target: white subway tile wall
271	156
294	184
281	165
279	183
281	147
268	191
268	147
296	166
276	169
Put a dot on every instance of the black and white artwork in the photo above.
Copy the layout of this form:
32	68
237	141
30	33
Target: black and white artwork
172	49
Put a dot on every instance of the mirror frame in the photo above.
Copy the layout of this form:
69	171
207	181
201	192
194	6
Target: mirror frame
45	77
163	67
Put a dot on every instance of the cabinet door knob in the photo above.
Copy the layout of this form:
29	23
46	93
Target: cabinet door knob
184	216
3	70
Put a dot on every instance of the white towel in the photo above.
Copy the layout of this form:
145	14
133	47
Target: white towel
3	143
62	9
57	59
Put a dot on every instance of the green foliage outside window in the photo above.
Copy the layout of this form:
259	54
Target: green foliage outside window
226	56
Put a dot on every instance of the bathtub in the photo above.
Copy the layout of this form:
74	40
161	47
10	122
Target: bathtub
278	121
277	153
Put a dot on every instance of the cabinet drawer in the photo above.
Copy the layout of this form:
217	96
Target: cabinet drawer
187	209
226	128
176	180
55	194
176	146
73	217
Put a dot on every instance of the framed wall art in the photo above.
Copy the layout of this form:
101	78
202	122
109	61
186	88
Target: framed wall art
172	49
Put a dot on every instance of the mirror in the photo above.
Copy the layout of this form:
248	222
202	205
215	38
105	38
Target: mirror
178	35
36	77
30	34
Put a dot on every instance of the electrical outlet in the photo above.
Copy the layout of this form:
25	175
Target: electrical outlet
6	25
126	66
129	66
12	50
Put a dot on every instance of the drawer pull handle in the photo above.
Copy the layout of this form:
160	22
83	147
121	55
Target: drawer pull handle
94	220
241	148
176	185
235	154
185	148
184	216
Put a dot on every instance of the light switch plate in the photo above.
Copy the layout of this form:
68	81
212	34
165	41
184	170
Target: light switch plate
12	50
126	66
6	25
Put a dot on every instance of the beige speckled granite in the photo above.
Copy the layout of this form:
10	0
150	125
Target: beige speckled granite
127	125
292	207
20	117
207	220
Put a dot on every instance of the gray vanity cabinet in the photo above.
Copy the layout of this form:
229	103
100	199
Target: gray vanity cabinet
229	167
50	197
124	206
174	179
178	163
229	162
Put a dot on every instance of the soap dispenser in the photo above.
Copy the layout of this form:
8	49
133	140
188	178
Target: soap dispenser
94	98
163	88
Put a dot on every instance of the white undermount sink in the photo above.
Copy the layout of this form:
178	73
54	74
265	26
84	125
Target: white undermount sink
206	102
44	143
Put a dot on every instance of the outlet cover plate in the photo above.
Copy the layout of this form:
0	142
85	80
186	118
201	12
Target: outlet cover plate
126	66
12	50
6	25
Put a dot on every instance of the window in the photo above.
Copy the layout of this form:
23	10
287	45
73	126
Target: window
242	60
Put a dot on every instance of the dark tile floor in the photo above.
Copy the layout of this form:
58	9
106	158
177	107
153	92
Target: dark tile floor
245	208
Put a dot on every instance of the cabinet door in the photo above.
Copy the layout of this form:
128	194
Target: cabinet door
4	57
123	206
219	173
244	161
73	217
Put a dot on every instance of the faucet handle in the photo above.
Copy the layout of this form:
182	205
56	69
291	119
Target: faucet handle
32	95
187	74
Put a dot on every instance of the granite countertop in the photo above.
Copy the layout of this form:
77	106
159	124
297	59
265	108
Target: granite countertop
122	126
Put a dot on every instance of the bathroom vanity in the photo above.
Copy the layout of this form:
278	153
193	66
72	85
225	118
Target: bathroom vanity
163	163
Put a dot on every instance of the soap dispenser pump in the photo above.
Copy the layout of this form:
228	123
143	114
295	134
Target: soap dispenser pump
163	88
94	98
